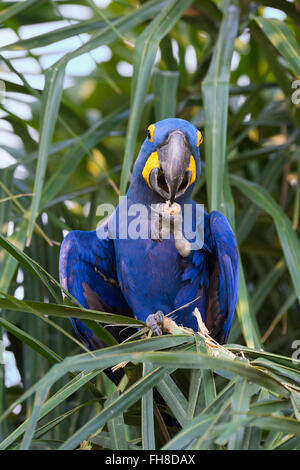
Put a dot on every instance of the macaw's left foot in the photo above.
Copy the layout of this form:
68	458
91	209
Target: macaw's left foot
155	321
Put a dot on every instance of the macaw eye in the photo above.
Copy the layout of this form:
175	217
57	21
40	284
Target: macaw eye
199	138
150	132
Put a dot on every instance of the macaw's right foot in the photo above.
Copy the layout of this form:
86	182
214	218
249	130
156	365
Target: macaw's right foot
155	321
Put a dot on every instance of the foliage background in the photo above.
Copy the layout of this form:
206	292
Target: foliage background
79	95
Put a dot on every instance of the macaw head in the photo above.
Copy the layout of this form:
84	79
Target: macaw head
169	160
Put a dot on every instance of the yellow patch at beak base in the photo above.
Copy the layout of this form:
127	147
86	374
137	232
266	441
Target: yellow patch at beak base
192	168
151	163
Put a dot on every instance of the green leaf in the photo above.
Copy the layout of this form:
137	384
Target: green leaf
148	435
250	212
272	56
58	420
267	284
174	398
207	376
194	390
144	56
201	423
215	89
78	150
245	313
8	263
201	361
14	249
292	363
244	309
36	410
50	106
283	39
240	408
129	397
66	311
105	442
286	425
106	34
32	342
165	89
295	399
15	9
60	396
103	359
288	238
116	426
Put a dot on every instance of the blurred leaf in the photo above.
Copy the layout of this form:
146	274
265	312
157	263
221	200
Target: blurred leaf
215	90
15	9
144	56
283	39
50	106
9	264
30	341
267	284
61	395
289	241
78	150
165	90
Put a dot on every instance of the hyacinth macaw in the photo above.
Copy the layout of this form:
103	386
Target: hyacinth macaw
147	278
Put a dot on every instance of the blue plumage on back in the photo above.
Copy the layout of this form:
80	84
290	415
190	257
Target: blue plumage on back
139	276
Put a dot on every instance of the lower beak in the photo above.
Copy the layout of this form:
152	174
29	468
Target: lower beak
172	179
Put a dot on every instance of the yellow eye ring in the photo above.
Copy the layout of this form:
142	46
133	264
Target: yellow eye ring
151	132
199	138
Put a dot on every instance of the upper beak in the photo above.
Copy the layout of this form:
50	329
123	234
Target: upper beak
172	178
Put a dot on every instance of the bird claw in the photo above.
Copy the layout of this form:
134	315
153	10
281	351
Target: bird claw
153	322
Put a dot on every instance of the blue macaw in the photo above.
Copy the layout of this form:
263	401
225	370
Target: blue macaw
146	277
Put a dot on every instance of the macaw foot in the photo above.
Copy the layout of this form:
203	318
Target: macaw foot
155	321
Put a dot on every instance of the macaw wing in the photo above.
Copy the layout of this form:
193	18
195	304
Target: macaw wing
87	270
223	278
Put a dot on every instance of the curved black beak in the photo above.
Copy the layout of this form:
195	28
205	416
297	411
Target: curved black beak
172	178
